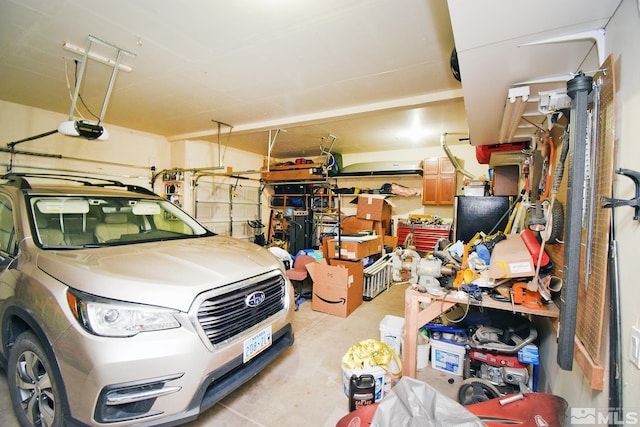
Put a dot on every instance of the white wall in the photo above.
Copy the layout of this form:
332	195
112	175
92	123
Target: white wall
126	156
623	41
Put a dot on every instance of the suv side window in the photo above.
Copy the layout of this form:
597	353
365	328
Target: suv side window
7	227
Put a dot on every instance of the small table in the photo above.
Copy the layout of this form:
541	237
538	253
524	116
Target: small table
421	308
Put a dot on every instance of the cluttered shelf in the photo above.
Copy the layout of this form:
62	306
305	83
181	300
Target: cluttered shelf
421	308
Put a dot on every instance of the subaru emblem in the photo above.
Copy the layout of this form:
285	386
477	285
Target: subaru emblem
254	299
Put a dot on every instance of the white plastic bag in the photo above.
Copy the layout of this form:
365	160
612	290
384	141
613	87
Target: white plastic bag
413	403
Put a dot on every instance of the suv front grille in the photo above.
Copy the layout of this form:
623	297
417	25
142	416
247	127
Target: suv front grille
226	315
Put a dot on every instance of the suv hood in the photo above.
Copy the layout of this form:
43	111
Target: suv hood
168	273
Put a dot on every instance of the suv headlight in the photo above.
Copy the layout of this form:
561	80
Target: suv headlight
112	318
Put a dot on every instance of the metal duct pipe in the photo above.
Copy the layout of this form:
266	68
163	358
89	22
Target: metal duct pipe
578	90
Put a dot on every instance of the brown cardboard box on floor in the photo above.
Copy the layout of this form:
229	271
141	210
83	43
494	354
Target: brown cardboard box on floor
337	288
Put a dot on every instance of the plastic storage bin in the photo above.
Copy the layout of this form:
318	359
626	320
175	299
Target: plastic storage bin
447	357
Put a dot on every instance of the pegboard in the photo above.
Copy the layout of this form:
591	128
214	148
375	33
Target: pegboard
593	282
592	292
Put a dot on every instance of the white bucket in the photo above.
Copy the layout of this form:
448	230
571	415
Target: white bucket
423	355
422	359
392	332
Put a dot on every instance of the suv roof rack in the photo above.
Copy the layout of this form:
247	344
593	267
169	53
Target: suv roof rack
18	179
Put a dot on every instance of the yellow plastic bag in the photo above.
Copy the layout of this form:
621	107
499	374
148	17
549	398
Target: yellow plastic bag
369	353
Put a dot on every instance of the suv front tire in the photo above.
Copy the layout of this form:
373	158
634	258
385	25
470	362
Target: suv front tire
33	384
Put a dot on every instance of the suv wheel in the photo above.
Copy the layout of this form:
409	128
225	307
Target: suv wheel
33	386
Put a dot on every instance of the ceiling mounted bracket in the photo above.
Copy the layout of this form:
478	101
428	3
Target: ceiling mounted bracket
273	135
326	147
598	36
85	128
220	124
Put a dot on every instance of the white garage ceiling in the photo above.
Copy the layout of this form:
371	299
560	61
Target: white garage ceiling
374	73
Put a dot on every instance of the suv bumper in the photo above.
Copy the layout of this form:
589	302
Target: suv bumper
171	385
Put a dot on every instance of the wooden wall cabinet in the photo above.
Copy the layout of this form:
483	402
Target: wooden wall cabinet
438	181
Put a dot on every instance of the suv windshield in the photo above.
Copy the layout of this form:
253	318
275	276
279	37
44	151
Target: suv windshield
87	221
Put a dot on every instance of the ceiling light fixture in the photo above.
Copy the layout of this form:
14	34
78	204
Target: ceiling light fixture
513	110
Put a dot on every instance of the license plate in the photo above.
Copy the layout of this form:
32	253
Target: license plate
256	344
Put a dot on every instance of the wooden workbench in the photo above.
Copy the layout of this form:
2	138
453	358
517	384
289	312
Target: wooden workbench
421	308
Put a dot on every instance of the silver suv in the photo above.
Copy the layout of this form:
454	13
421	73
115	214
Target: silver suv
119	308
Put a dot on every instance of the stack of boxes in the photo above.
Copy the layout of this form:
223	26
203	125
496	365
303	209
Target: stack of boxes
338	283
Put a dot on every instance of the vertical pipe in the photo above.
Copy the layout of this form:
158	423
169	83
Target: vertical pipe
219	147
231	191
615	324
578	90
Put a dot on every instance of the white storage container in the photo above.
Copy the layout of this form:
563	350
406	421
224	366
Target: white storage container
447	357
392	332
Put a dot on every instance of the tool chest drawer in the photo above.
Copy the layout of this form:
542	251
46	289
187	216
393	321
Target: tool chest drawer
425	236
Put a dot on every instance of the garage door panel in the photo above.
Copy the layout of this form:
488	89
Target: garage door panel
225	208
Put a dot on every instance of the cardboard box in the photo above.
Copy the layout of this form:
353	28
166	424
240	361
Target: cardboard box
511	258
383	228
374	207
337	288
391	241
353	225
354	247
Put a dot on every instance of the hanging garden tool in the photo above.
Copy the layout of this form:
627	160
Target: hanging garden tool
615	324
553	229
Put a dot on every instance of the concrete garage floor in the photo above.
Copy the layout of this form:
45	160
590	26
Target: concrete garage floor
305	386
